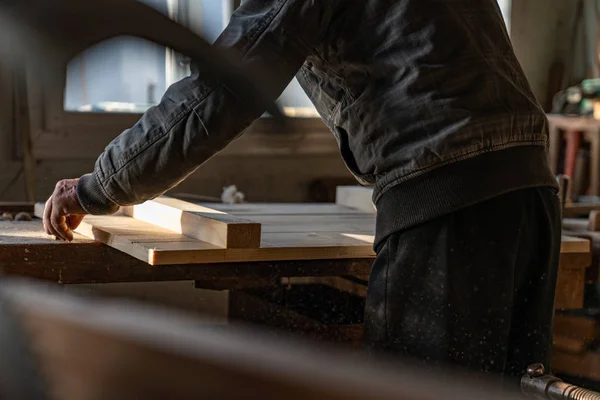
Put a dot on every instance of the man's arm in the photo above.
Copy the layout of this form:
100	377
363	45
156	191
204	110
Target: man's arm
197	118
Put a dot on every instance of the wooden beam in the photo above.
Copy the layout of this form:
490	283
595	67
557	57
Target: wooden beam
357	197
571	244
202	223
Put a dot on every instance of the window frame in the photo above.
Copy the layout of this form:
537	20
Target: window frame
56	131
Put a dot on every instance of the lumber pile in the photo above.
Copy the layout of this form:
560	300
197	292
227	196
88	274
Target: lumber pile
168	231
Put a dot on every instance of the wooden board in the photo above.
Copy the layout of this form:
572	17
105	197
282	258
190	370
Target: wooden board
582	328
27	251
358	197
206	224
585	365
291	233
252	209
571	244
294	237
159	246
579	209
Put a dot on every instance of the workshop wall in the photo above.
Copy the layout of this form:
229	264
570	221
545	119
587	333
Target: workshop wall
540	32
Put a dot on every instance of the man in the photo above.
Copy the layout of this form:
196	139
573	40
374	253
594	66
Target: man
431	108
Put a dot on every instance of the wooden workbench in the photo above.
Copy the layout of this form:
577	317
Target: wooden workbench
26	251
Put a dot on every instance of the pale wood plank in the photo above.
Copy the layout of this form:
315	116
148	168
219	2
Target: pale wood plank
205	224
159	246
570	244
252	209
305	240
165	256
358	197
139	240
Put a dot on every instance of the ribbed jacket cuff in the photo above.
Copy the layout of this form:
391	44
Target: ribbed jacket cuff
461	184
92	197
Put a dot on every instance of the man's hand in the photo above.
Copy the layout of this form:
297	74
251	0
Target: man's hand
63	213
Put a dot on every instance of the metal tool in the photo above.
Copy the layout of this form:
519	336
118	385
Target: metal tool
537	383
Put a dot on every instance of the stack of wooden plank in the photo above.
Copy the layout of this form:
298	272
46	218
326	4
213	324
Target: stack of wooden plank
169	231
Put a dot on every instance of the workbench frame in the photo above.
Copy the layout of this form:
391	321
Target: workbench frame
92	262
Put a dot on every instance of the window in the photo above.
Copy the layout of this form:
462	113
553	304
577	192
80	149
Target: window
505	7
129	75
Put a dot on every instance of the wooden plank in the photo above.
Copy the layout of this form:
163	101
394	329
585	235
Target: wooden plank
569	288
571	244
585	365
159	246
575	224
316	223
205	224
252	209
358	197
568	345
36	255
314	219
579	209
577	327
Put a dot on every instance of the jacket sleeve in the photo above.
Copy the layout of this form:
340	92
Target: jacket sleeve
197	118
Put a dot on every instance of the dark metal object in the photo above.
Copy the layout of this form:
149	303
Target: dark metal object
51	32
537	383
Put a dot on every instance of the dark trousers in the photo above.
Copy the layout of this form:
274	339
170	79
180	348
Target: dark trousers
473	289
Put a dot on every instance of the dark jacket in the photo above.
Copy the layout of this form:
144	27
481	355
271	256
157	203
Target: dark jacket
416	92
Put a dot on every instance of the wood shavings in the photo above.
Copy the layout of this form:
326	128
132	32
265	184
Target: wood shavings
23	216
6	217
231	195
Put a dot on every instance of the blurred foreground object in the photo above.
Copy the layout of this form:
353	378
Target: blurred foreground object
46	34
70	347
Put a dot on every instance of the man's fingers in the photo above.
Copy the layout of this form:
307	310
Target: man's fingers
47	211
47	220
63	212
59	223
74	221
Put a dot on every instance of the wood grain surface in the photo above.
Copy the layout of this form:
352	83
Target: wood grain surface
203	223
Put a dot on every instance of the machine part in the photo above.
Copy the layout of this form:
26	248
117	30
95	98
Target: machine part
537	383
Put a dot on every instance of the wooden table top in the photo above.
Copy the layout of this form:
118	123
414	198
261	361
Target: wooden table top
26	250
